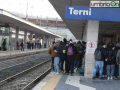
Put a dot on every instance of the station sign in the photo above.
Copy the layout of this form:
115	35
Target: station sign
30	38
40	37
92	13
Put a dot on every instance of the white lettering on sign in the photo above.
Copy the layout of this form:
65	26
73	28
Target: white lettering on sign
80	12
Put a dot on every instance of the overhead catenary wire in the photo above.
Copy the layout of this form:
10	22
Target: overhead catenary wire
14	5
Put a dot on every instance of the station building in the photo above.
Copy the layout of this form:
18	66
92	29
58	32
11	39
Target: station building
90	24
13	29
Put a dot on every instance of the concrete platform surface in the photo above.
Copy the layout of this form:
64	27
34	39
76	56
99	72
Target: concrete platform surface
76	82
4	53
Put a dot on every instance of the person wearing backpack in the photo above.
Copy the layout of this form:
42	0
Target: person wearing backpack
57	50
110	61
100	55
71	54
64	56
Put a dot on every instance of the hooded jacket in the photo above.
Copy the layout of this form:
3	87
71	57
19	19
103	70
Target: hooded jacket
78	54
58	49
109	49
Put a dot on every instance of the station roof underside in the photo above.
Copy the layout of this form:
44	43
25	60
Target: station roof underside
14	21
76	26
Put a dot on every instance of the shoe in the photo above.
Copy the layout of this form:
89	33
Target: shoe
67	73
111	78
57	73
114	77
62	71
108	78
71	74
93	77
54	72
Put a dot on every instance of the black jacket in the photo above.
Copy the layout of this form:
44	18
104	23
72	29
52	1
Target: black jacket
103	53
58	49
64	47
74	50
113	56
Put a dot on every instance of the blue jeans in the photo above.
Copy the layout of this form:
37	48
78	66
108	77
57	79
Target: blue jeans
110	67
56	64
76	63
98	64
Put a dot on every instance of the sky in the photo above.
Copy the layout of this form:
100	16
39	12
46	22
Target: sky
40	8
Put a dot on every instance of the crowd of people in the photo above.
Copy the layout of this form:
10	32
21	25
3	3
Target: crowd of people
71	53
30	45
107	58
107	61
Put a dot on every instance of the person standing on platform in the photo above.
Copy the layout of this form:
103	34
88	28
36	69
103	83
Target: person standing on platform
64	56
71	54
22	46
100	56
4	44
110	61
52	53
57	50
77	58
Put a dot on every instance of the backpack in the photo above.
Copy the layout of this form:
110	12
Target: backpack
109	56
70	51
98	55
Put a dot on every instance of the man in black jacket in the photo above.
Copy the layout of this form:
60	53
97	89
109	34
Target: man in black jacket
71	54
110	61
64	55
100	55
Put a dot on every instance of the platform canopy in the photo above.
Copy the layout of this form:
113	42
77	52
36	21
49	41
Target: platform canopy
14	21
75	26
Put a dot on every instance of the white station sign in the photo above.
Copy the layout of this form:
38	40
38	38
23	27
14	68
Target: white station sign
91	47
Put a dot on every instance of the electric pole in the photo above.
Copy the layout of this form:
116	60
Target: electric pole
26	12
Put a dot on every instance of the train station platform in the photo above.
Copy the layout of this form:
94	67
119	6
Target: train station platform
16	53
76	82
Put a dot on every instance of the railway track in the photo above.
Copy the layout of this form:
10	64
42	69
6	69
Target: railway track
25	80
17	61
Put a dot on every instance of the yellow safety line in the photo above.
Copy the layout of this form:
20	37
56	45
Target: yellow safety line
53	82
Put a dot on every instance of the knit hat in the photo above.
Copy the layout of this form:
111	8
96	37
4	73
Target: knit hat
71	42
